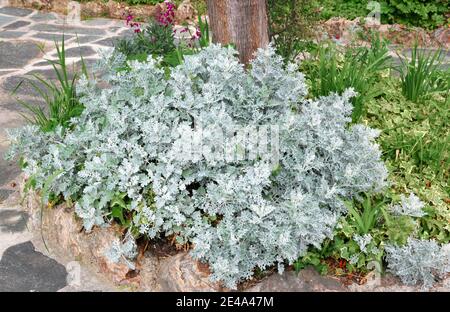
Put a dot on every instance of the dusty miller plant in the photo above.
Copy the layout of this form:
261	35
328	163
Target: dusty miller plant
419	261
238	214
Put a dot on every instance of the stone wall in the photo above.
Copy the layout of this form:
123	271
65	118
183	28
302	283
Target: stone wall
63	234
111	9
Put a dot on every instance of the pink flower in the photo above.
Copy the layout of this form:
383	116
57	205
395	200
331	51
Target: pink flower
133	25
196	35
167	17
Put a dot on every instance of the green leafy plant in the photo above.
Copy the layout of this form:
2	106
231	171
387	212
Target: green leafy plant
424	13
416	148
421	75
119	207
60	98
366	215
291	25
333	69
155	39
428	14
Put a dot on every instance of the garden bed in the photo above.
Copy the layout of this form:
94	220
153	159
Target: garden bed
156	269
157	146
161	268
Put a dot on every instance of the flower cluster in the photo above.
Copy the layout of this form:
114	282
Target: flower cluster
133	25
167	17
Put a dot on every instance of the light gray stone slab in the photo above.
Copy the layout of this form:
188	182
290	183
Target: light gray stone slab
43	17
16	25
107	42
10	34
52	36
4	20
69	29
17	54
97	22
79	51
15	11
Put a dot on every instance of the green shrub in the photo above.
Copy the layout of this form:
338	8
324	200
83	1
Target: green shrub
424	13
61	101
334	69
137	136
421	75
416	147
291	24
155	39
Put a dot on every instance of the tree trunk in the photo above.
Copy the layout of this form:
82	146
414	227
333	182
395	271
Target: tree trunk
239	22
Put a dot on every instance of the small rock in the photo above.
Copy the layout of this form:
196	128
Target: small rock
185	12
182	273
305	281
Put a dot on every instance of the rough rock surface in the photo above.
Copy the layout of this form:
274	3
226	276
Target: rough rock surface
185	12
305	281
63	233
182	273
109	8
346	30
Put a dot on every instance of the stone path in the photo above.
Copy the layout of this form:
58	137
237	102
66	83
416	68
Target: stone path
26	40
23	33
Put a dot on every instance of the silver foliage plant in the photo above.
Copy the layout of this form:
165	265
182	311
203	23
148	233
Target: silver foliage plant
419	261
123	251
409	206
238	215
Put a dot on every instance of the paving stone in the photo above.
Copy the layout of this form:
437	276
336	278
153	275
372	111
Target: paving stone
126	33
8	169
49	73
443	53
17	25
15	11
17	54
97	22
25	89
42	17
4	194
69	29
10	34
43	63
5	20
77	51
52	37
72	65
11	220
22	268
87	39
116	29
108	42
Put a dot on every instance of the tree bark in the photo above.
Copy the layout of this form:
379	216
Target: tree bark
239	22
